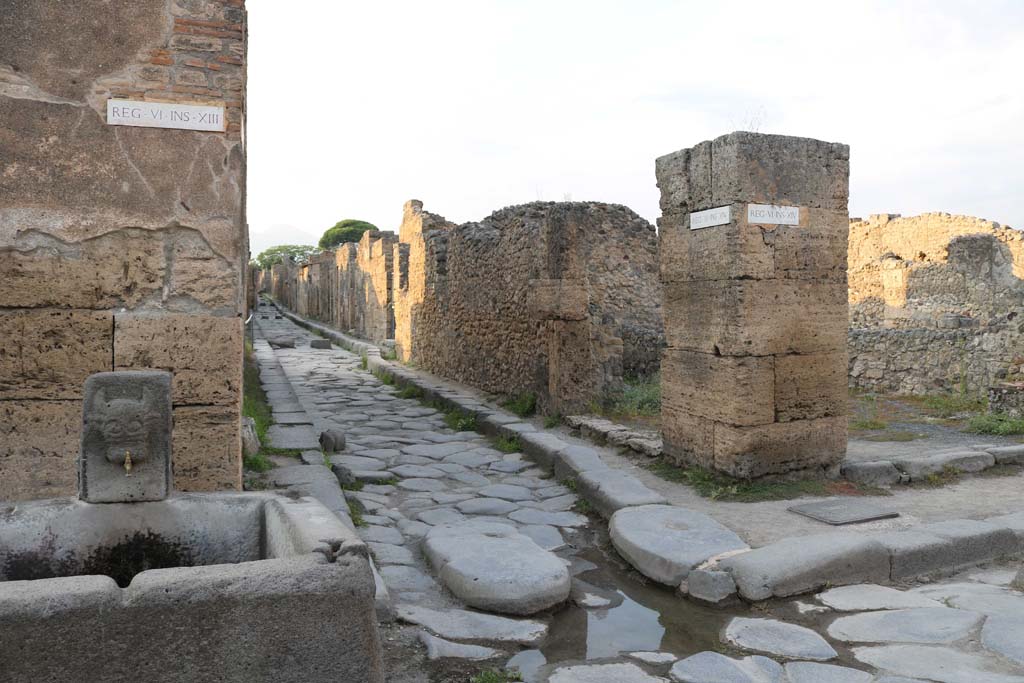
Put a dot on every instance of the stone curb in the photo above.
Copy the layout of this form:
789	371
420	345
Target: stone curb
569	461
806	564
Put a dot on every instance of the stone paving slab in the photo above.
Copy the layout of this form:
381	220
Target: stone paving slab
299	437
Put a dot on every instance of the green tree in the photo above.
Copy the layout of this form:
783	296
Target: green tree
299	253
348	230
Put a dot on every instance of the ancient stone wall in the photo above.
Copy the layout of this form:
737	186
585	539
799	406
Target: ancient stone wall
936	303
753	379
120	247
553	299
349	288
557	300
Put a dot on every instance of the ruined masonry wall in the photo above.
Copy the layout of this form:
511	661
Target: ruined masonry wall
558	300
120	247
936	303
349	288
554	299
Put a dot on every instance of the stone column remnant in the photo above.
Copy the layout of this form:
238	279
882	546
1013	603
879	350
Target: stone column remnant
126	437
753	245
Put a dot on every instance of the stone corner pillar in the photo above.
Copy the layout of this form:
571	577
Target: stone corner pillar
753	239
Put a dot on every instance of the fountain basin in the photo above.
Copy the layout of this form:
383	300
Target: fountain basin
196	587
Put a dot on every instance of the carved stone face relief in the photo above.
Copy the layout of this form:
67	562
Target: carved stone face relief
126	437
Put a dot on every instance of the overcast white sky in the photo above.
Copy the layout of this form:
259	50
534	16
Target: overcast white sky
355	107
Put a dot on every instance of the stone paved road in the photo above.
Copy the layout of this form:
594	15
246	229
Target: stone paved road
964	630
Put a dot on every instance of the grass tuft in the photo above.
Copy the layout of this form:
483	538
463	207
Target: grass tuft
949	405
868	424
257	463
507	444
523	405
999	424
410	391
460	421
552	421
363	361
718	486
356	513
640	396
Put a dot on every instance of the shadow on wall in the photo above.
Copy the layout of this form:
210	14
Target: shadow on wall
929	315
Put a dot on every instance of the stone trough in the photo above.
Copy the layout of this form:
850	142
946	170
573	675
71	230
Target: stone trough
176	587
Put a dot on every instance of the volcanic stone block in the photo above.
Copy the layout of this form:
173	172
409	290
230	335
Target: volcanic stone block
737	390
810	386
750	167
207	448
41	440
49	353
126	437
203	352
756	317
686	438
813	250
779	447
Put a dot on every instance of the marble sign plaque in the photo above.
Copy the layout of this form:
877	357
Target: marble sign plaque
766	214
165	115
710	217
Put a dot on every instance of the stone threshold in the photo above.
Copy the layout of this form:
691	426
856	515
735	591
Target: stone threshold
789	567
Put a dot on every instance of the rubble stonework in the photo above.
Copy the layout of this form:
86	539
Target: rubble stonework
348	288
936	303
554	299
754	376
121	248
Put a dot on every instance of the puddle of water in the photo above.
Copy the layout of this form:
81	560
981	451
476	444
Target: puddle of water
650	618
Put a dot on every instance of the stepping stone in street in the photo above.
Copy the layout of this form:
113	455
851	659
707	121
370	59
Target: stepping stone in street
439	648
839	511
465	625
868	596
705	667
664	542
495	568
921	625
777	638
616	672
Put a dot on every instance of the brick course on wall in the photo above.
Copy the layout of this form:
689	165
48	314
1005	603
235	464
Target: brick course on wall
936	304
120	247
558	300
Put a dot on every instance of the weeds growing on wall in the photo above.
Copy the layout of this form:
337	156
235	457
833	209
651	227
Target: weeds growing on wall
254	399
356	513
999	424
384	377
523	405
552	421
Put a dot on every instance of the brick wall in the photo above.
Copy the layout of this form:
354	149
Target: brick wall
120	247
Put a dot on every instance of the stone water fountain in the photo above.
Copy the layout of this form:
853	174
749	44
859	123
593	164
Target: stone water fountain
132	582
